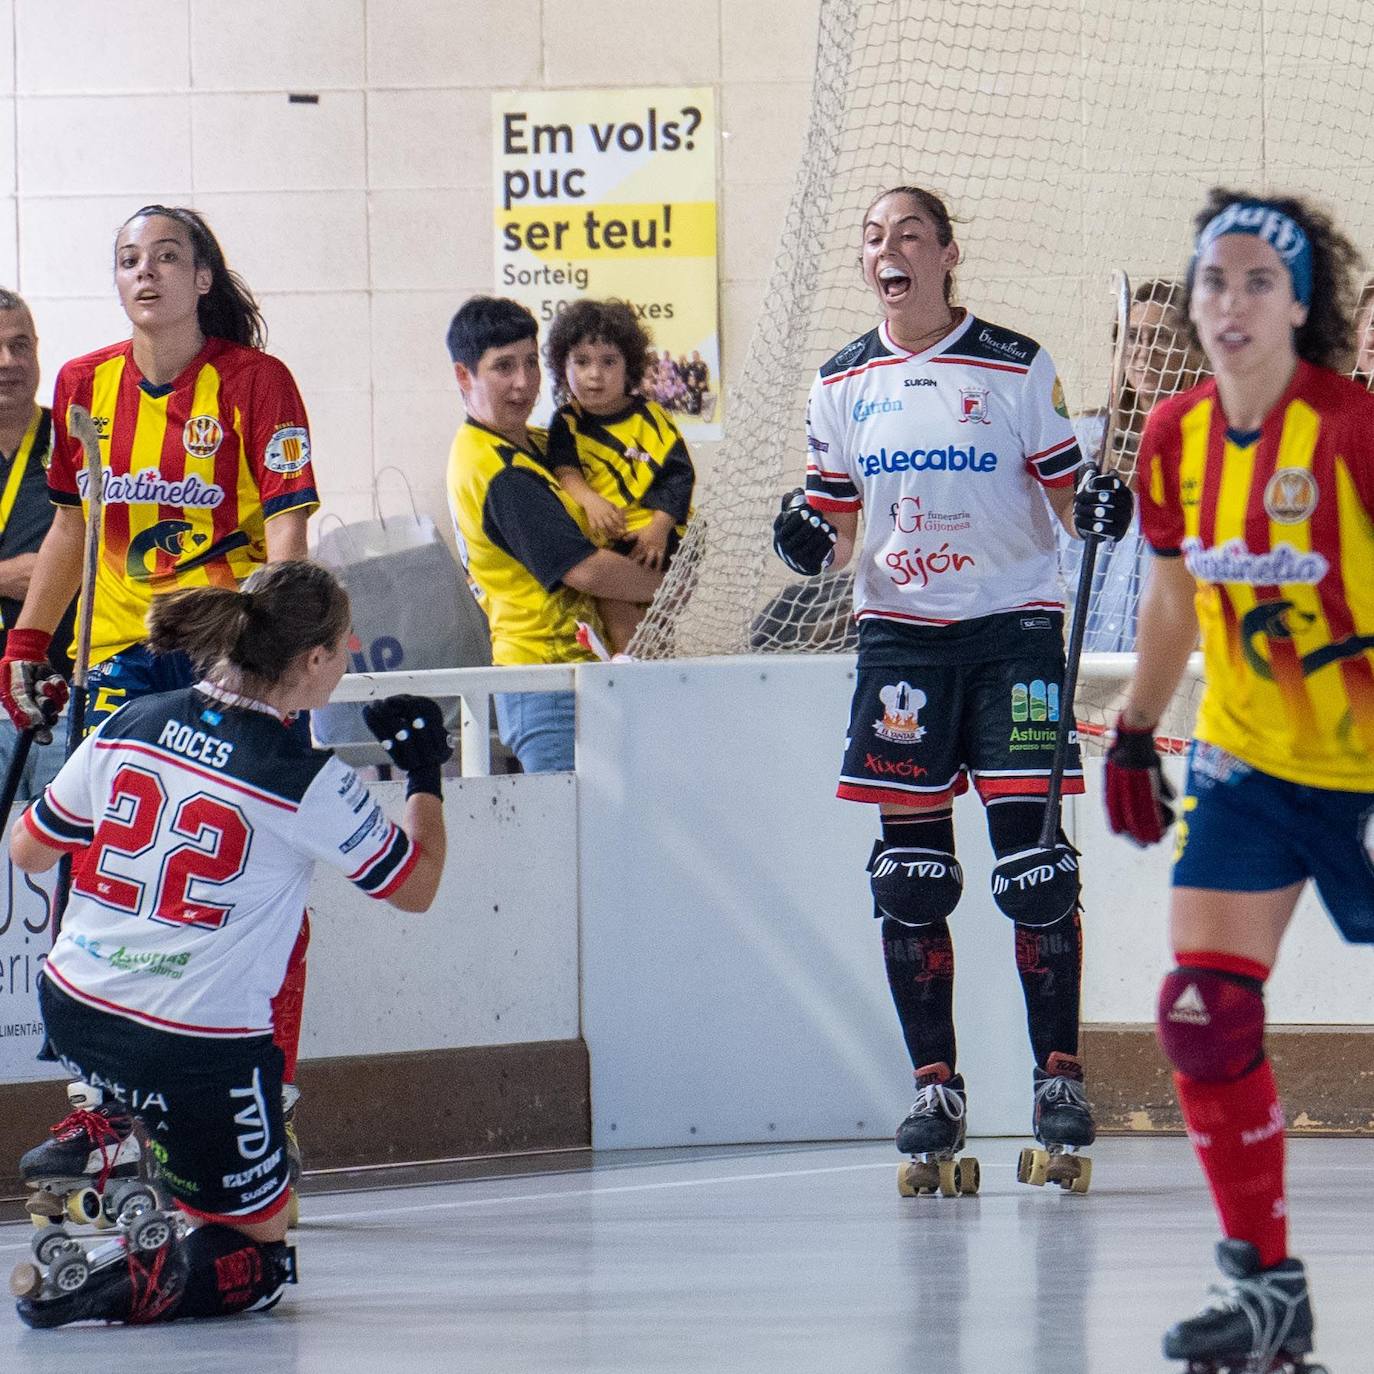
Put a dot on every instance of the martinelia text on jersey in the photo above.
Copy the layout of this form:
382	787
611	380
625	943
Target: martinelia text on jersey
951	459
1234	562
147	488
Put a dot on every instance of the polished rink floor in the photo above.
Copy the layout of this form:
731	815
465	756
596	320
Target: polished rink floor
787	1259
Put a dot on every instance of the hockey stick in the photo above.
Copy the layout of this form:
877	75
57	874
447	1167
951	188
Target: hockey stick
1049	829
15	771
82	428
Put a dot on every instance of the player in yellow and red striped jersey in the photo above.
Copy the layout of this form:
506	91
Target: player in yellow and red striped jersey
206	453
1257	499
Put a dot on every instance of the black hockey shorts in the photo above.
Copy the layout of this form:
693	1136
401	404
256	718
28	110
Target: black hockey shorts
211	1107
916	733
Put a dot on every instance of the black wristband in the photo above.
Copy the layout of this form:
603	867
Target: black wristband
425	779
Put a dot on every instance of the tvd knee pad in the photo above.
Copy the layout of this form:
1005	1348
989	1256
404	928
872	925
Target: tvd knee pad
913	886
1211	1025
1037	887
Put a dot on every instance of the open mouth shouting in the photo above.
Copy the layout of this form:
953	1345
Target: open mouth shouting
894	283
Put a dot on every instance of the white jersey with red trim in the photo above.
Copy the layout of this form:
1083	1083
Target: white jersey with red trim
201	816
946	451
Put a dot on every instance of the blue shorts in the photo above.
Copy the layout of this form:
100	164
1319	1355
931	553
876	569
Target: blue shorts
133	672
138	672
1241	830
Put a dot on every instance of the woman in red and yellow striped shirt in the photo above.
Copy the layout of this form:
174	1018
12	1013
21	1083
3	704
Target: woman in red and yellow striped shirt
1257	500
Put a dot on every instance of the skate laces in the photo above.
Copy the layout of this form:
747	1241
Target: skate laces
1061	1091
97	1128
149	1298
1269	1305
939	1098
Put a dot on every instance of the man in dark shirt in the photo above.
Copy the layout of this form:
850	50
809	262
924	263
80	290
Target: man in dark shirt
25	514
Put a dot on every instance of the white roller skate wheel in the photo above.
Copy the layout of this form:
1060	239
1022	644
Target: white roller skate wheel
48	1243
132	1199
69	1271
150	1231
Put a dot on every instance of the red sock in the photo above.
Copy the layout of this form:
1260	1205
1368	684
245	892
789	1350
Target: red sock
288	1005
1237	1130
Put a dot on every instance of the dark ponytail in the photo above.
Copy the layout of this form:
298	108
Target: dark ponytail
283	610
227	310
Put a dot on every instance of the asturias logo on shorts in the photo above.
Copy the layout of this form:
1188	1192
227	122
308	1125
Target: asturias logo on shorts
901	705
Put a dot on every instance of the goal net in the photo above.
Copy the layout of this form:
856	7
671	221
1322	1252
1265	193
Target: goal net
1069	137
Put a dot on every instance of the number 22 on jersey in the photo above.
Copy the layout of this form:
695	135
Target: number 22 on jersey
205	843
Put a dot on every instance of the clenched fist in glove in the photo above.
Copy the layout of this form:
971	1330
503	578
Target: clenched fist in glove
411	729
31	693
1102	506
802	537
1138	793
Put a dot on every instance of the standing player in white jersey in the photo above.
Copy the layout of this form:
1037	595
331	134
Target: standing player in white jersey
200	815
952	435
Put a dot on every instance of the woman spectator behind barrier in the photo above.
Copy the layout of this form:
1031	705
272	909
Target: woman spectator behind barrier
1160	360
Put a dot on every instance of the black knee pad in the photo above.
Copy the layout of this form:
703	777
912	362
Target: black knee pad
914	886
1037	887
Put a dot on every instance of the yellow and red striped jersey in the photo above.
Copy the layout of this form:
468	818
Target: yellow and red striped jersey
1277	527
193	470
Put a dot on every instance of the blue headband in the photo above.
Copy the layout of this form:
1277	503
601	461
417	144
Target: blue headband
1281	232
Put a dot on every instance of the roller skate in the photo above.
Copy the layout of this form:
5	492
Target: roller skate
92	1151
1062	1122
136	1276
1260	1324
290	1095
933	1134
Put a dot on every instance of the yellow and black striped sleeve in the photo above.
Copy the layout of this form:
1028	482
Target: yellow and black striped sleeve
562	445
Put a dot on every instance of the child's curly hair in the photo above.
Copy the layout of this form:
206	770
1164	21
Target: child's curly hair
587	321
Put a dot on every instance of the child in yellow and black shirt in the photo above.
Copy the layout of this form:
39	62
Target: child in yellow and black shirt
614	452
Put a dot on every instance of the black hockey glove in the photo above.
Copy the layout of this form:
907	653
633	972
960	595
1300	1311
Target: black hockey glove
802	537
1102	506
412	731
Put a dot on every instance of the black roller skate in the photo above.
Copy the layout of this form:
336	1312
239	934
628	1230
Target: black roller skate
933	1134
1260	1324
1062	1122
137	1276
91	1152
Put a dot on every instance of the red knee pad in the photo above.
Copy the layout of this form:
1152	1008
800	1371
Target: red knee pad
1211	1016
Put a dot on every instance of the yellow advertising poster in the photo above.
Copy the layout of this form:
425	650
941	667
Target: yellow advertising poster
613	194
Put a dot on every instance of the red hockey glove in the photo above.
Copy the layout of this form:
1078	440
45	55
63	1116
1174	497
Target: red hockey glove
31	693
1137	791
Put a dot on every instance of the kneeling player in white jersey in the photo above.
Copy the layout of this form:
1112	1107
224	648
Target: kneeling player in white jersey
950	433
200	815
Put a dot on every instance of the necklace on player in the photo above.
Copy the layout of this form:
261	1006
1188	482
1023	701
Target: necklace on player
914	345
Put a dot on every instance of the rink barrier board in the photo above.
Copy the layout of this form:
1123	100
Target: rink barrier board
756	908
